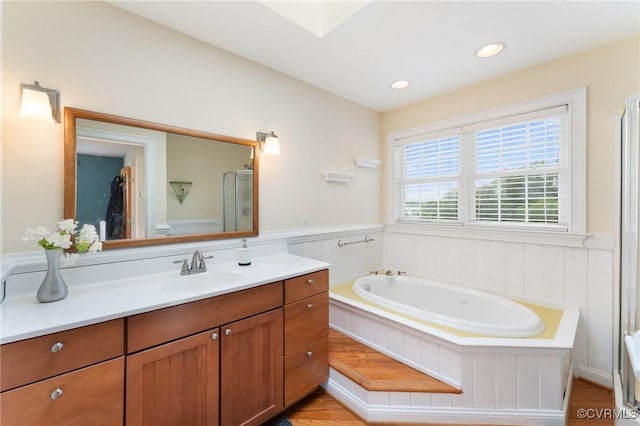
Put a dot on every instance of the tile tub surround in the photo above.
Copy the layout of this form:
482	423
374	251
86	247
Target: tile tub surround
93	301
503	380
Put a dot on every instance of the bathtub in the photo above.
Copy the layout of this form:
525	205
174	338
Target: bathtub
449	305
504	380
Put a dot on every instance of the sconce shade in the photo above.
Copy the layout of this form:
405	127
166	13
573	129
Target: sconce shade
40	104
181	189
269	143
272	145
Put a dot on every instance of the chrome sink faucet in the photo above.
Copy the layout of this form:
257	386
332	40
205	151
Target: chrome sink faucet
197	264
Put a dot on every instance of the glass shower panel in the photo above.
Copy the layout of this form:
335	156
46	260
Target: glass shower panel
238	200
629	247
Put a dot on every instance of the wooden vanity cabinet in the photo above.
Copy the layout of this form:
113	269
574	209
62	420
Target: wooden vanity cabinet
229	375
306	331
75	377
230	360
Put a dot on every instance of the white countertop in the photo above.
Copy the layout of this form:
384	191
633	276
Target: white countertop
22	317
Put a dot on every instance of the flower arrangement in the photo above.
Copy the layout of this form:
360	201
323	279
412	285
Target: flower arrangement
85	240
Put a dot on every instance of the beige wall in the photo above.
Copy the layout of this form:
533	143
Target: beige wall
610	73
202	162
104	59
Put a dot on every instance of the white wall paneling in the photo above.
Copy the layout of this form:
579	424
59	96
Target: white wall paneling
508	384
346	262
551	275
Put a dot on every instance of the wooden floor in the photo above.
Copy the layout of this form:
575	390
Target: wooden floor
375	370
320	408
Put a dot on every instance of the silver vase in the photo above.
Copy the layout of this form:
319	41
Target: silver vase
53	286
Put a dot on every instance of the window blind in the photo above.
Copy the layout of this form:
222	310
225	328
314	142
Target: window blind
427	174
518	167
519	171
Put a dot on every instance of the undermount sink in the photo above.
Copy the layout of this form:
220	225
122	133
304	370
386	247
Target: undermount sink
202	281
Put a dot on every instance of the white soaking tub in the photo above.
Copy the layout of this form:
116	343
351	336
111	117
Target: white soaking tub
450	305
493	349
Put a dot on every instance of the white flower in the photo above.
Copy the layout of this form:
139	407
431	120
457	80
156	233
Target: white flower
88	234
56	239
67	226
86	239
36	234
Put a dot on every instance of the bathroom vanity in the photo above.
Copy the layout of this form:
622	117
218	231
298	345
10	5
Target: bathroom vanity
236	355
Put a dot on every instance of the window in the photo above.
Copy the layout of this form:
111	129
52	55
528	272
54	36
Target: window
430	170
519	167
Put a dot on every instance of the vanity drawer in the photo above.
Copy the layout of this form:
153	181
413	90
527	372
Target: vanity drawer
90	396
164	325
305	322
305	370
41	357
306	285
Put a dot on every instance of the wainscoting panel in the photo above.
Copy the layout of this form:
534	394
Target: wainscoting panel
347	262
550	275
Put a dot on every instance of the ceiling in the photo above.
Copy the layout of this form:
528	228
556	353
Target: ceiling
362	49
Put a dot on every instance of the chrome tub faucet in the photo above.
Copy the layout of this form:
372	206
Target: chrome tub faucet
388	273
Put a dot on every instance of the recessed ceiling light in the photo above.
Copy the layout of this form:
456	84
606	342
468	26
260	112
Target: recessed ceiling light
490	49
400	84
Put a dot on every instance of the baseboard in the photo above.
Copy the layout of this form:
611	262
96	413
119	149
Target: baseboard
596	376
420	415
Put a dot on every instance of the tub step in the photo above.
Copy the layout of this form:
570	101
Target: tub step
376	371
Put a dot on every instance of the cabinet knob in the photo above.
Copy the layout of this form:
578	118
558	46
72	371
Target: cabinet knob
310	305
309	281
56	394
309	354
227	332
214	336
57	347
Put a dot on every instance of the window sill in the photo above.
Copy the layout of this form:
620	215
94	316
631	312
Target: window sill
553	238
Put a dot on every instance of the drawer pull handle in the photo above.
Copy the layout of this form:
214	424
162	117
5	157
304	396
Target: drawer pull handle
214	336
227	332
309	354
57	347
56	394
309	281
310	305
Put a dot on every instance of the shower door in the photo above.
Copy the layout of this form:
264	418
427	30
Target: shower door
238	200
629	247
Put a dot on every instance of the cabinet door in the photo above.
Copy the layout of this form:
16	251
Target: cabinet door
175	384
251	369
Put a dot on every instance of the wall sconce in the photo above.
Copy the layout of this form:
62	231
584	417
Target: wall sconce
269	143
38	103
181	189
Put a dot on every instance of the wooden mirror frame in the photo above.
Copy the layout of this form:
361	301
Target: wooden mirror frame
70	174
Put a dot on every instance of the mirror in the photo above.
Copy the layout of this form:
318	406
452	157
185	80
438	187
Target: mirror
143	183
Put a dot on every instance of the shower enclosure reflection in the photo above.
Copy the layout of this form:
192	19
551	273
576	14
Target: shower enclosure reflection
238	193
